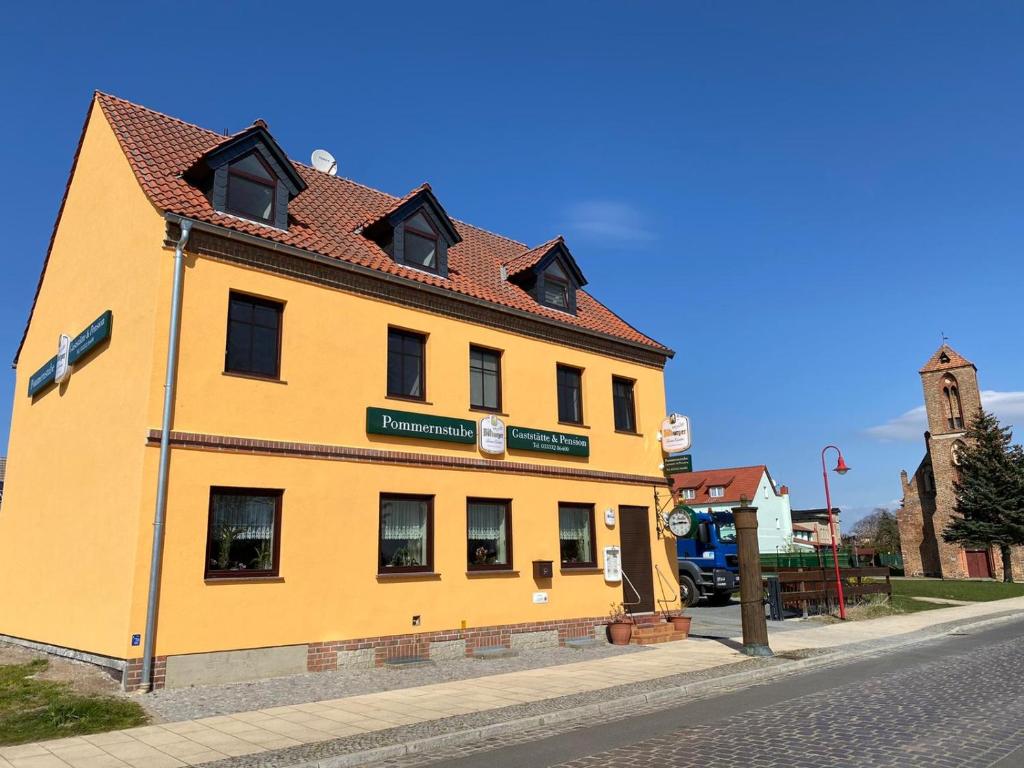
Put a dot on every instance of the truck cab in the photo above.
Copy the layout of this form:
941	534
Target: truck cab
708	561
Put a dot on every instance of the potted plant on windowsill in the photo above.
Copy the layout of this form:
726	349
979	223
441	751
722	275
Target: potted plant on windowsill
620	625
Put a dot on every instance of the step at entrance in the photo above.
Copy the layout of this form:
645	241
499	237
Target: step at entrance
652	634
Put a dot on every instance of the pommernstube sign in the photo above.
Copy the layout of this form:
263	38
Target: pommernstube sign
383	421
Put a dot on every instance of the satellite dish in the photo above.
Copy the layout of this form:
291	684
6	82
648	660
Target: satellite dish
324	162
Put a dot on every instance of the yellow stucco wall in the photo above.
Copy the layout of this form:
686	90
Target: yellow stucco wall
75	529
70	518
329	589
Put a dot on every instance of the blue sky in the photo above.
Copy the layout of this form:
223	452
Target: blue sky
798	198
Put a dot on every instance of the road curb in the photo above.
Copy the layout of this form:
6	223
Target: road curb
660	696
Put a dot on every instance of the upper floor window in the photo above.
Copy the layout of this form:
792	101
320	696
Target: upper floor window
556	287
406	364
570	394
252	188
484	378
689	493
716	491
622	401
254	336
420	243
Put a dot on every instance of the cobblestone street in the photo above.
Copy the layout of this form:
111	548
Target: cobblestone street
957	703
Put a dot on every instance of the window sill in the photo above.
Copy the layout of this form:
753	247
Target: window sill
490	411
628	433
567	570
408	399
492	572
408	575
573	424
253	377
244	580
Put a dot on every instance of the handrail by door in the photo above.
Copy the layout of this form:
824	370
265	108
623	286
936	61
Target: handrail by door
661	582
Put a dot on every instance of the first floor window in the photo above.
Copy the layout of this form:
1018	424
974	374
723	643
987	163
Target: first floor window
406	355
570	394
254	336
484	378
406	534
489	534
244	534
623	406
576	535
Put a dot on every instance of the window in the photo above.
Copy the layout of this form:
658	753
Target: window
570	395
421	243
254	336
576	535
556	287
954	408
252	188
406	364
716	491
406	534
689	493
622	401
489	534
244	533
484	378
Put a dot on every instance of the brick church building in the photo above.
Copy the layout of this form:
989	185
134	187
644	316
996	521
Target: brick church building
952	399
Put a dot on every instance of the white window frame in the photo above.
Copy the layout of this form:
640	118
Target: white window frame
716	491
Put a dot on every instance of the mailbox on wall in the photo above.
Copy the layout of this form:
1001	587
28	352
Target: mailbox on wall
543	569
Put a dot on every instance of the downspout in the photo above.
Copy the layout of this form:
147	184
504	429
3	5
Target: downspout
173	338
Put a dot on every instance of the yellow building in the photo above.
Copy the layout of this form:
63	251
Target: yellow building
386	433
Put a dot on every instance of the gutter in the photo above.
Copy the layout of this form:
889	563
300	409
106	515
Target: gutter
345	266
160	514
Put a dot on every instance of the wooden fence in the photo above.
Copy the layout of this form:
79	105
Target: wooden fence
804	586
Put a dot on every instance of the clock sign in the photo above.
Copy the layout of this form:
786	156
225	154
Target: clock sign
680	522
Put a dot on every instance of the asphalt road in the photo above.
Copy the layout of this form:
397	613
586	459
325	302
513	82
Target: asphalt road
724	620
954	702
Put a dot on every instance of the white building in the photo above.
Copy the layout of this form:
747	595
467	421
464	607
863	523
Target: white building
722	489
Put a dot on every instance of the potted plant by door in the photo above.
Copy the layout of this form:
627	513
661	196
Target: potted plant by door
681	623
620	625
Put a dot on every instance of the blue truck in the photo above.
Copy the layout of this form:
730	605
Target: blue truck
708	562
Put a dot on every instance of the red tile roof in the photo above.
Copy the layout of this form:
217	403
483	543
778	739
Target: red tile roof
530	258
945	358
326	217
739	482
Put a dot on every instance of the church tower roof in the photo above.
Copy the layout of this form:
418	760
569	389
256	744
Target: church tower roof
946	358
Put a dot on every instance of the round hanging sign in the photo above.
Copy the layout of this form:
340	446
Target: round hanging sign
492	435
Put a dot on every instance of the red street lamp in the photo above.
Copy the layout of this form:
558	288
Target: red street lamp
841	469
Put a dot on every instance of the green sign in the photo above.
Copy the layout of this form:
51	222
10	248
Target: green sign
675	465
97	332
381	421
528	439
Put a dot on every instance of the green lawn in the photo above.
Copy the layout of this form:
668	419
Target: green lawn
33	710
973	591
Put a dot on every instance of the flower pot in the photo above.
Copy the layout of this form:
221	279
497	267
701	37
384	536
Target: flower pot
620	631
681	624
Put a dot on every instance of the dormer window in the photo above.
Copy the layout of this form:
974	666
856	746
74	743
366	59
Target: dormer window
252	188
716	491
249	176
556	287
420	243
415	231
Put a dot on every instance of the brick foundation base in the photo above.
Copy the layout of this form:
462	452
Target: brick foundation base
132	680
323	657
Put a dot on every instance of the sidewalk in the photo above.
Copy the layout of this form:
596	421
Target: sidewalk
259	732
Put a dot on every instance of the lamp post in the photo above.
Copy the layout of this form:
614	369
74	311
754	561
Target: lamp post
841	469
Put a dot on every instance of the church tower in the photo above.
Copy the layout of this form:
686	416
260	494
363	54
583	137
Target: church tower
952	400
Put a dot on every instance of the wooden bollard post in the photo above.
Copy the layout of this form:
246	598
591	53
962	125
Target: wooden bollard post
755	628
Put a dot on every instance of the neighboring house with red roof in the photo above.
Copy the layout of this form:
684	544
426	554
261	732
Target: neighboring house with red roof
327	407
718	490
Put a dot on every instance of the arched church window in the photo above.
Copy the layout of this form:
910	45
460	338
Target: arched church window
954	408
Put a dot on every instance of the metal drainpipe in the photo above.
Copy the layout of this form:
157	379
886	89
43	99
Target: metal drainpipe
173	337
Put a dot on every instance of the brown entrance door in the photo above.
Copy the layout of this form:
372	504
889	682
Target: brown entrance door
977	564
635	537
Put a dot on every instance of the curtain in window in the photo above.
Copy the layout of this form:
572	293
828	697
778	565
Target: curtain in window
252	517
405	520
487	523
574	526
